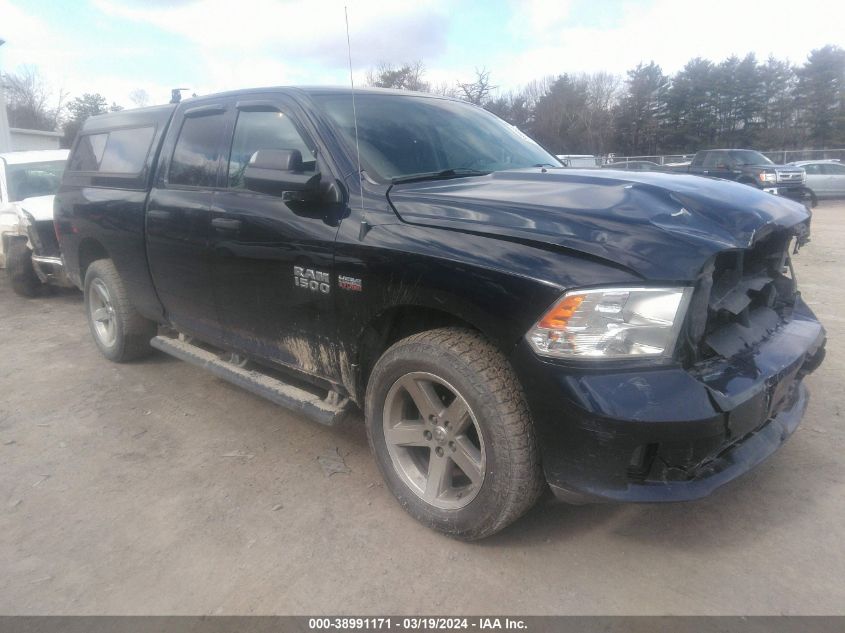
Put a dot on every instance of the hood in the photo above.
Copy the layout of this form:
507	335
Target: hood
660	226
39	207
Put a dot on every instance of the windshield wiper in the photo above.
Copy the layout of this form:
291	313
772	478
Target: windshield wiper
456	172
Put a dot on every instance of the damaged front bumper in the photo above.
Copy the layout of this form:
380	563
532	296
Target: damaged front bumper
669	433
46	256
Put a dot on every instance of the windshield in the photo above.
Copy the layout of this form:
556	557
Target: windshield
401	136
27	180
749	157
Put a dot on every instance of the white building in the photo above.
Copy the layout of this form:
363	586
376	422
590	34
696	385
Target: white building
22	139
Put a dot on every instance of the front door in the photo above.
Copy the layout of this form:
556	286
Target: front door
272	256
178	223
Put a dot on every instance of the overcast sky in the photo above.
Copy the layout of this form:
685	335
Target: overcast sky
116	46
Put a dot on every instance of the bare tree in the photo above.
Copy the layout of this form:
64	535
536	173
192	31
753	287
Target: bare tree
408	76
139	97
478	91
445	89
602	94
30	101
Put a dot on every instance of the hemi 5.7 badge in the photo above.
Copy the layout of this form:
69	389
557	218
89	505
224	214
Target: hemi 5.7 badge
349	283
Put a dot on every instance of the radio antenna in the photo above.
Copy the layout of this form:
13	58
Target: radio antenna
354	111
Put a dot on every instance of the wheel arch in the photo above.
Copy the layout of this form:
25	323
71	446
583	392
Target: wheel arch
89	251
395	323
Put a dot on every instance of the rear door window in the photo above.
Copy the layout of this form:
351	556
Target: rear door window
712	159
833	170
197	152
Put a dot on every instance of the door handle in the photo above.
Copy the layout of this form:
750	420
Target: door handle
158	214
226	224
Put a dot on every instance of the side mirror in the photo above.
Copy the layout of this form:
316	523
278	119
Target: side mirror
276	171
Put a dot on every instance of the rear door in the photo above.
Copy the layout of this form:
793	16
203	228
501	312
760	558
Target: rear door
815	179
178	220
273	256
720	165
697	164
834	173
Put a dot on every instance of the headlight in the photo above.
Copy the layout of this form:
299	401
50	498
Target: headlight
612	323
768	177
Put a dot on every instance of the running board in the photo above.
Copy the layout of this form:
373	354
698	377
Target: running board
289	396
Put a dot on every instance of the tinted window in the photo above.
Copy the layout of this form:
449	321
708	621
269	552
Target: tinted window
407	135
749	157
89	152
126	150
711	159
264	130
197	152
33	179
833	170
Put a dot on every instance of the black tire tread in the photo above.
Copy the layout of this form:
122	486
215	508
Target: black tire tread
135	329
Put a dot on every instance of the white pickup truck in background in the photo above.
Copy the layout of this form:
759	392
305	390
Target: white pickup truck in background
29	249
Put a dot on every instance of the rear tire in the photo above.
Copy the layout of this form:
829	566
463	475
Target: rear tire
814	199
464	462
22	276
118	330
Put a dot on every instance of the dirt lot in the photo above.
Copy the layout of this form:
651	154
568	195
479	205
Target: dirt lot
155	488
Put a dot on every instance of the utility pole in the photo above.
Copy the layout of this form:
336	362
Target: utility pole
5	135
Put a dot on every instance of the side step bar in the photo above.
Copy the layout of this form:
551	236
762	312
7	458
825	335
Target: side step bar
289	396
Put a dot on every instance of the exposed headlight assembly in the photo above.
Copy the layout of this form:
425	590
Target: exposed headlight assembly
612	323
766	177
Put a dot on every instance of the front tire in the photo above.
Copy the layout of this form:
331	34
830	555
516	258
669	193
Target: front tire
451	433
118	330
22	276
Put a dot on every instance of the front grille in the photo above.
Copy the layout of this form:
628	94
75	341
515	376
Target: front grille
748	295
790	176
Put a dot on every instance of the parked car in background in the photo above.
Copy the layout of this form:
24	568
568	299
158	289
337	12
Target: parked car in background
825	178
636	165
578	160
750	167
29	249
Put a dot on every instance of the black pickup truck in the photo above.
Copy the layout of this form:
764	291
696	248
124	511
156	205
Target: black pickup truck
750	167
503	323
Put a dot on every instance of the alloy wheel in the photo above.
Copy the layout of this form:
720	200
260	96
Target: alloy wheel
434	440
102	313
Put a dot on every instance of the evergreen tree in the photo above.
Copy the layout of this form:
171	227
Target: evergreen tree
821	90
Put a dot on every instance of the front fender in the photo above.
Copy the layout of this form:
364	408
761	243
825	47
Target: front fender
13	223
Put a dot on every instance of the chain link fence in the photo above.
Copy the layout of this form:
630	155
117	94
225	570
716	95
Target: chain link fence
780	157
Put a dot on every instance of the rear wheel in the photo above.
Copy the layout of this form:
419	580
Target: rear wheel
19	267
450	430
118	330
814	199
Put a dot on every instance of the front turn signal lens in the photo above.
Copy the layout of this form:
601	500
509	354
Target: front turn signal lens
558	317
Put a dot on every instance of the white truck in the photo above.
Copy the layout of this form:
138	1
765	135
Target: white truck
29	249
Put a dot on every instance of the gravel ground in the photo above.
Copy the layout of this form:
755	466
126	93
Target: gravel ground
155	488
